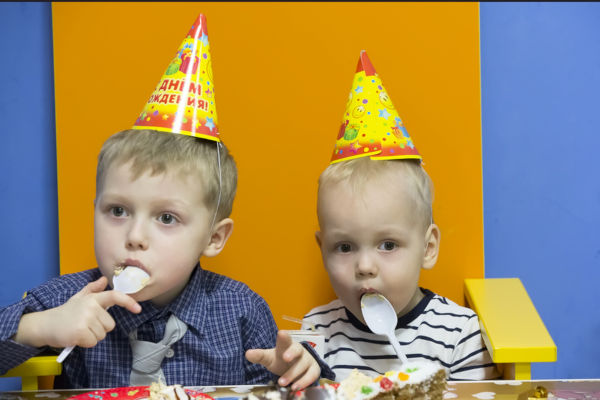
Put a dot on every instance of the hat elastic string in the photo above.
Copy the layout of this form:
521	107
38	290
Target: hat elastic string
212	225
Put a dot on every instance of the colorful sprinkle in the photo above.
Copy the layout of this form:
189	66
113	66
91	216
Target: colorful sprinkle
403	377
366	390
386	384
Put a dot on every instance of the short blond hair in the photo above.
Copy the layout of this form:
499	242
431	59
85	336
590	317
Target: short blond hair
157	152
361	170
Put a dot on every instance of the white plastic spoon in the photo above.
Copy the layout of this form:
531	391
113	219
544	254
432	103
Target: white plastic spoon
381	319
129	280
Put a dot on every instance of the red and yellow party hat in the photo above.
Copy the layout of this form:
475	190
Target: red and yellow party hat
371	126
184	99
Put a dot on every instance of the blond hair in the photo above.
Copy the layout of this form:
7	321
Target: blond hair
361	170
158	152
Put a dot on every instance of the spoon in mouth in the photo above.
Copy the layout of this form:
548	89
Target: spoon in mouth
381	319
128	280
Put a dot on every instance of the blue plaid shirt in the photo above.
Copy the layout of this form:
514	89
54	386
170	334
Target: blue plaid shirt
224	318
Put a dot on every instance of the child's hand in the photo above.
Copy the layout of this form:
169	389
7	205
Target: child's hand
290	360
82	321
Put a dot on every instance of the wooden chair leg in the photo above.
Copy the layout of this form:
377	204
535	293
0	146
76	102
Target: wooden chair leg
517	371
46	382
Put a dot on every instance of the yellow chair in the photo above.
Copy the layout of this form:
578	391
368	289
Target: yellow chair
36	373
512	329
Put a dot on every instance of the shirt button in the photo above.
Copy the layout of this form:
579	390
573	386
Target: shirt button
170	353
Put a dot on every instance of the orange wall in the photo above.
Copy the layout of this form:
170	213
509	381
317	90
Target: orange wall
282	75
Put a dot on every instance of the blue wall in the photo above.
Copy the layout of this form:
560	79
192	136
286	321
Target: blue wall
28	201
540	66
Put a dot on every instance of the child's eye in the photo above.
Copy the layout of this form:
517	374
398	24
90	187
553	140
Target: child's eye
117	211
387	246
344	248
167	219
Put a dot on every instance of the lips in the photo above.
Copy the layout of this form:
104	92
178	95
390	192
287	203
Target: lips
364	291
133	263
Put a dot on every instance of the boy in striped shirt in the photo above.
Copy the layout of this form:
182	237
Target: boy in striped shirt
376	234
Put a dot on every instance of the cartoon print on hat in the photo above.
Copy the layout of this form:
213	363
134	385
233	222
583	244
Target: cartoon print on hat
184	100
371	126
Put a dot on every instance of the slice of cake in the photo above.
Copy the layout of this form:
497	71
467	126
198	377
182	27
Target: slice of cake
160	391
417	381
413	381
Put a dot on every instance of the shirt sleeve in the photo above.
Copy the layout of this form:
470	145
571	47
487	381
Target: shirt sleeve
50	294
259	331
471	359
12	353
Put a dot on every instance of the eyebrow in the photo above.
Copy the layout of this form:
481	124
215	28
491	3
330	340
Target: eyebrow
156	202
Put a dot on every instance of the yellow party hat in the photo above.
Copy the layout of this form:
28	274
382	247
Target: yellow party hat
184	99
371	126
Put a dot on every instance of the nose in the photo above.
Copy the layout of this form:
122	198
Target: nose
137	238
366	265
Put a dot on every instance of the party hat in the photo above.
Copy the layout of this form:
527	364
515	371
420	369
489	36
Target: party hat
184	99
371	126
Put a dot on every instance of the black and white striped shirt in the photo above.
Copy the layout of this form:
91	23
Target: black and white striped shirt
437	330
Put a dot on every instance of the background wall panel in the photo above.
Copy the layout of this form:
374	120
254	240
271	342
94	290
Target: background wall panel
29	233
540	67
282	74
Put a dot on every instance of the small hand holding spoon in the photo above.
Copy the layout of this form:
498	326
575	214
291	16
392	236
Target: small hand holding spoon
129	280
381	319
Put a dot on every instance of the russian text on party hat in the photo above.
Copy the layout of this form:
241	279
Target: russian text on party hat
371	126
184	100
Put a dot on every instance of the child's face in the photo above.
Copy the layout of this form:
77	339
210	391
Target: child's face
158	223
372	240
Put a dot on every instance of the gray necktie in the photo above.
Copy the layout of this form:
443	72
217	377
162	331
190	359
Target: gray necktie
148	356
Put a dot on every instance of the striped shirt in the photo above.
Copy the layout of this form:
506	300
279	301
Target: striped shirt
224	318
437	330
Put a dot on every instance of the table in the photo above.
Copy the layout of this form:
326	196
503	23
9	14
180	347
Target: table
479	390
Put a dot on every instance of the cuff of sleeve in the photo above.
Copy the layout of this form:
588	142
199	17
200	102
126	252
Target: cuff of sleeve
326	372
13	354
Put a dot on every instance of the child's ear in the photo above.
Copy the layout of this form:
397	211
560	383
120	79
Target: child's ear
318	237
221	233
432	246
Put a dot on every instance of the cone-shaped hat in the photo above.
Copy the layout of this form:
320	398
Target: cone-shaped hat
371	126
184	99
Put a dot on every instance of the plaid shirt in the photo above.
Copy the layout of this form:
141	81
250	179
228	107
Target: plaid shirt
224	317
